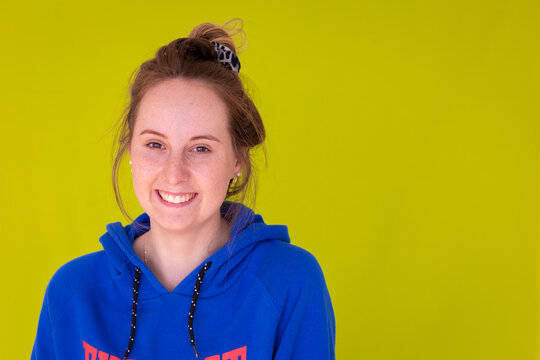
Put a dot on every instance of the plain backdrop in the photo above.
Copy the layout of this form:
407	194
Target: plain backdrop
403	152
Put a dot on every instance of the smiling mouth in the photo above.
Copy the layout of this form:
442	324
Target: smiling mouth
176	199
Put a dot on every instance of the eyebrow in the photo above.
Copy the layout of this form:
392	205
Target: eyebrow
207	136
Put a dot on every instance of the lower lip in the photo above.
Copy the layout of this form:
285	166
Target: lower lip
175	205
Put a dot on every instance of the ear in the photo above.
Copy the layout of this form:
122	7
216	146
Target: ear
238	164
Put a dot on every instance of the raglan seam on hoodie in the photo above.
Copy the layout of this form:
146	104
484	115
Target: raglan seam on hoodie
75	293
258	281
267	291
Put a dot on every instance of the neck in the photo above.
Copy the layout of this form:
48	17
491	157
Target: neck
173	255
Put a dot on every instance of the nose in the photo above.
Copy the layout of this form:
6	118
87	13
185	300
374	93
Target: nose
176	169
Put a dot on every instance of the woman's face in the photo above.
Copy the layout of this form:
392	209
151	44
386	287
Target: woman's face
181	151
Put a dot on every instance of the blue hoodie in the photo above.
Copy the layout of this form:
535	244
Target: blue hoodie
258	297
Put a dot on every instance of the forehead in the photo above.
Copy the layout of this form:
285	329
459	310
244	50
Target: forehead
180	106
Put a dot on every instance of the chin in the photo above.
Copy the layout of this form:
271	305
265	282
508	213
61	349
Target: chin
171	222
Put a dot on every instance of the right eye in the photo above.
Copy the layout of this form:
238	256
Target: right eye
151	145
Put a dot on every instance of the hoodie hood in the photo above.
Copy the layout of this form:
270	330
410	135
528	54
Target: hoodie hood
247	231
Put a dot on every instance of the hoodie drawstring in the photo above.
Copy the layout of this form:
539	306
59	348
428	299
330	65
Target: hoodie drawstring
198	283
133	310
193	301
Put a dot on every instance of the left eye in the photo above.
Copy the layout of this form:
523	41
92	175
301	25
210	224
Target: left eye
201	149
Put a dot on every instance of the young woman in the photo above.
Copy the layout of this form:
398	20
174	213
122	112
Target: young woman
196	275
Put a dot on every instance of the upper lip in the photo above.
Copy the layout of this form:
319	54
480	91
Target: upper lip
176	193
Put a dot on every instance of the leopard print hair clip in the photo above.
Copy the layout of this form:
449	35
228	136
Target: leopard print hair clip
227	57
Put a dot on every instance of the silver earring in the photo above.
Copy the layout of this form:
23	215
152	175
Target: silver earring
129	162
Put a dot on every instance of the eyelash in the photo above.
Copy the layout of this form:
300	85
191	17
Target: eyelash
202	147
149	145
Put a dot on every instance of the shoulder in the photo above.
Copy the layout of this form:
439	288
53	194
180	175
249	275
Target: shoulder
279	257
286	270
76	276
83	267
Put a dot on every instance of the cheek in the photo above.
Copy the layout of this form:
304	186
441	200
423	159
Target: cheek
140	180
215	175
144	171
146	159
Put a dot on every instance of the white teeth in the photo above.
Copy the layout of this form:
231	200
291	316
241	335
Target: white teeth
176	199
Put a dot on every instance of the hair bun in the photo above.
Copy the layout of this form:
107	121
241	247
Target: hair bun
195	48
222	34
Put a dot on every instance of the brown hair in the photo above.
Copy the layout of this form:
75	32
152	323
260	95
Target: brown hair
194	57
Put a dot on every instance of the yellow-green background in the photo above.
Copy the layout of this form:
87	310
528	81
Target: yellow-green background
403	153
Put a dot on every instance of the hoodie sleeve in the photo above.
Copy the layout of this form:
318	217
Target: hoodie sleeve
307	327
43	345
